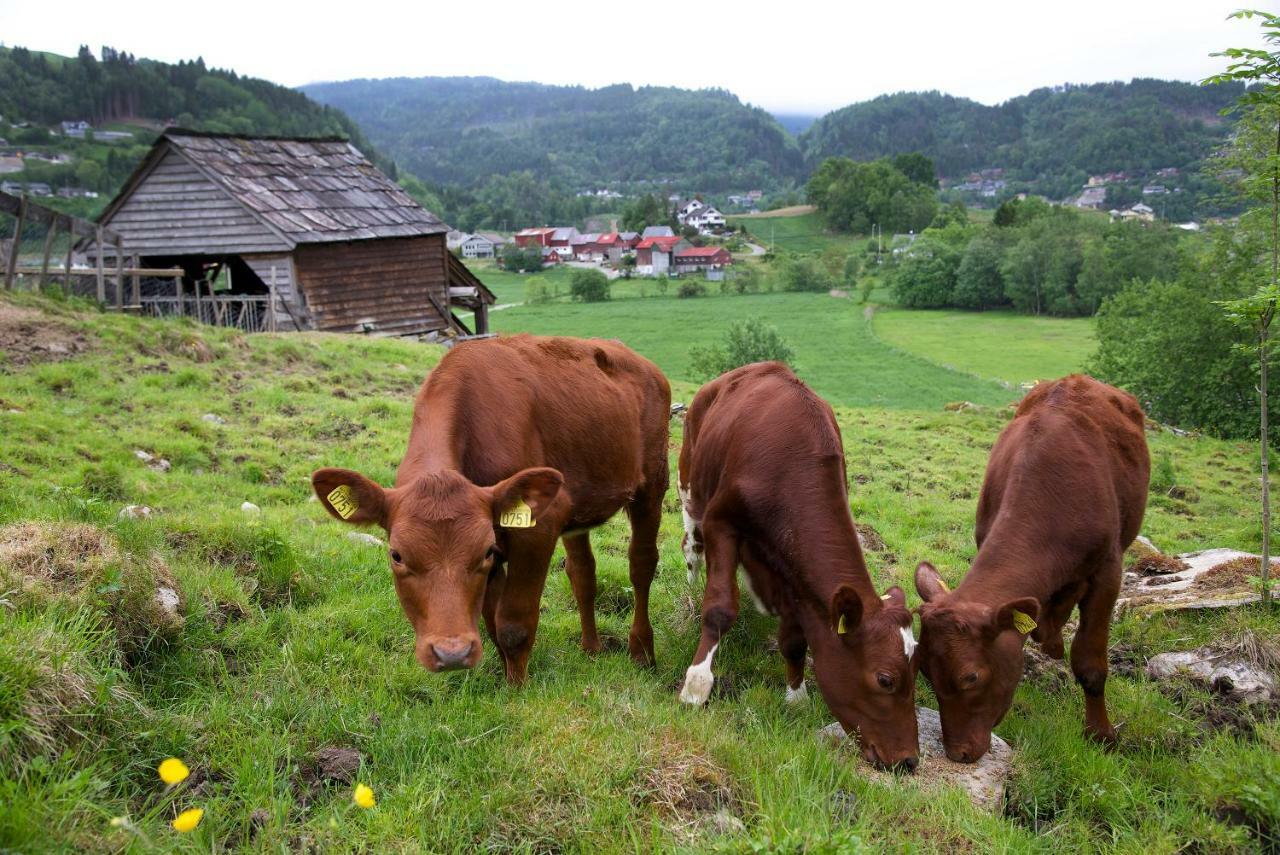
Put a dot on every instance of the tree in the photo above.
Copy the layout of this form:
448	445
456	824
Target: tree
1257	152
925	278
746	342
918	168
852	197
979	283
641	213
589	286
526	259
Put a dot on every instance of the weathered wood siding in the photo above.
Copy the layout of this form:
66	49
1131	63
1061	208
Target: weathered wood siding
387	283
176	210
291	309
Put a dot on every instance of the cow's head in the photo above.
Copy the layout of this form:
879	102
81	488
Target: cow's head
443	544
866	672
971	653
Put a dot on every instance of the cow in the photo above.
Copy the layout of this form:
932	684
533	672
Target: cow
762	483
1064	495
517	442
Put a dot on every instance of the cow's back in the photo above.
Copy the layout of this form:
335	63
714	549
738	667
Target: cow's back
1075	455
593	409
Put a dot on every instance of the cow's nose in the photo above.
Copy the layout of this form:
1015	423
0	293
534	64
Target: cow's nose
906	765
451	654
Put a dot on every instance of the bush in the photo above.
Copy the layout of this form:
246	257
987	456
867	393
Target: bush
692	288
589	286
806	274
926	275
536	291
745	342
522	259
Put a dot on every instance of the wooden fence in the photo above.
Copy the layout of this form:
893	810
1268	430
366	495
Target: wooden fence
26	211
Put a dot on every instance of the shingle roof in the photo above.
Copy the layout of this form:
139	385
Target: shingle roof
310	190
657	231
666	242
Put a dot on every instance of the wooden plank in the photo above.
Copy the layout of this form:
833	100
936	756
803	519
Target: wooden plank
48	251
17	243
136	299
102	283
119	277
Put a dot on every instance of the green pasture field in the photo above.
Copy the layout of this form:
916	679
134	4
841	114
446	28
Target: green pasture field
798	233
291	640
1005	346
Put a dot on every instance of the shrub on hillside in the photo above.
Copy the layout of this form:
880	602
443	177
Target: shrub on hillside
745	342
806	274
521	259
692	288
589	286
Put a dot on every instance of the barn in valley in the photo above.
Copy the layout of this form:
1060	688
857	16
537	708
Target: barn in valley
307	229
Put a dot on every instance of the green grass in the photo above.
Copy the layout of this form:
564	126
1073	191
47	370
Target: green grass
1004	346
293	640
798	233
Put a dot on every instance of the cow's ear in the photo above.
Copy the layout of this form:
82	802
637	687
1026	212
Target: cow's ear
929	584
846	610
895	596
536	488
1020	614
350	496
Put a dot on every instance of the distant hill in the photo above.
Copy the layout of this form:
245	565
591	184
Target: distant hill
44	89
461	130
1052	137
796	123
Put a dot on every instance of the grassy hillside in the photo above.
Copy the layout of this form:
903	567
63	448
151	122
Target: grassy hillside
289	642
798	230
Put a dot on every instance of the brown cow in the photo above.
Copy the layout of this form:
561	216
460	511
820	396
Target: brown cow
762	482
517	442
1064	495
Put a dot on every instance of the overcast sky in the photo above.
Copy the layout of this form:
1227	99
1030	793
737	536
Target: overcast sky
796	56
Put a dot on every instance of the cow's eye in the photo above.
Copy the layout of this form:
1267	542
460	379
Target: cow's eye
492	553
885	680
395	556
969	680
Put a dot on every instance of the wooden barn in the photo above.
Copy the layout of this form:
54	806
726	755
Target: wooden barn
305	232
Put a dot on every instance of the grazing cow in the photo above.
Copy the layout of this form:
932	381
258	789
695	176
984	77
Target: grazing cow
517	441
1064	495
762	482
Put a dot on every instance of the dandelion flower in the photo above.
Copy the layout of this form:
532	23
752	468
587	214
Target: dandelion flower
173	771
363	796
188	820
119	822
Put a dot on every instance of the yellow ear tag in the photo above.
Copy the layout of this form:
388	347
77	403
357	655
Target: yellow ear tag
841	629
942	583
1022	622
519	515
343	502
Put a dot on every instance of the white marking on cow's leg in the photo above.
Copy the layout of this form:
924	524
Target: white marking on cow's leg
755	598
908	642
692	558
698	680
796	696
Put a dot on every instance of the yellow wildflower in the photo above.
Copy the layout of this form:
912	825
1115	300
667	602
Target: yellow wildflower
363	796
188	820
173	771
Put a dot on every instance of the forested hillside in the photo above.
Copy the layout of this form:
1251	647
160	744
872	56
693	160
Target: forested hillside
1052	139
41	90
461	130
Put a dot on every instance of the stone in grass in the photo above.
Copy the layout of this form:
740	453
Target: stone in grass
250	508
983	781
157	463
1231	672
365	538
135	512
337	764
213	419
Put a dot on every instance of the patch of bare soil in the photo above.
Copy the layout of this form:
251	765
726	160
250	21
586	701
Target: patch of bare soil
28	336
688	789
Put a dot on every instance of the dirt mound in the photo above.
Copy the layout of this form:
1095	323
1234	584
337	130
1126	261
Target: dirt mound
1230	574
688	789
43	562
27	336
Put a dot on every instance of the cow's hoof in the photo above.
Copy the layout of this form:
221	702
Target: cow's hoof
797	696
697	686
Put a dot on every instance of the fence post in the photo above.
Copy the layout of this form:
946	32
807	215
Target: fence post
271	307
181	307
48	250
119	276
136	301
17	242
71	245
102	282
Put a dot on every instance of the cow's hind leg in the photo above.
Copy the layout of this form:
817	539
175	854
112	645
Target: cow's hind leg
580	566
645	512
1089	647
719	610
792	646
516	616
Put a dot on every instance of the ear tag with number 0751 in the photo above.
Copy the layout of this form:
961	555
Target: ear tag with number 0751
519	515
341	500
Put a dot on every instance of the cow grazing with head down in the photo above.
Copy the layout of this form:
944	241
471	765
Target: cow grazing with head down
1064	496
762	481
517	442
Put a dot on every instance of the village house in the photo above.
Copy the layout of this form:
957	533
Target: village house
481	245
706	219
534	237
1140	212
688	209
309	224
1092	198
710	259
1154	190
656	255
656	231
586	247
561	240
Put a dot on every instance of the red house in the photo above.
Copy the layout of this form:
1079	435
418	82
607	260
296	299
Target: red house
654	255
702	258
533	237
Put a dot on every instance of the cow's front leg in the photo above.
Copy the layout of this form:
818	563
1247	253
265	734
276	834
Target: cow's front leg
516	615
1089	648
719	610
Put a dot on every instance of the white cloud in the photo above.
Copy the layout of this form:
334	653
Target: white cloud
800	56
